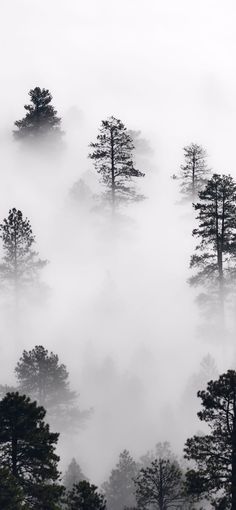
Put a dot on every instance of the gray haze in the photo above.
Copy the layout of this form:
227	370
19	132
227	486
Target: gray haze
119	312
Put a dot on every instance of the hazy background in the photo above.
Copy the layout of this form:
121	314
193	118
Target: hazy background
119	312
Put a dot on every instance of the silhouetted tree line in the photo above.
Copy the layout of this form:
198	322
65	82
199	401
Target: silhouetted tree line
30	479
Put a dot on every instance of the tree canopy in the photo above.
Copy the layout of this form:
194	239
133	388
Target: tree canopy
27	449
214	454
11	494
41	117
160	485
41	376
85	496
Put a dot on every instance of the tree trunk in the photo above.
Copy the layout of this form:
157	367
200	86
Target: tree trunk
219	247
193	177
112	173
16	277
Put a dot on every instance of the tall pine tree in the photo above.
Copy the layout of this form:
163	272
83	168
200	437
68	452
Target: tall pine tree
194	171
112	154
214	260
21	264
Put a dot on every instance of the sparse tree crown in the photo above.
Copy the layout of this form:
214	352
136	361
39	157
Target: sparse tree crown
194	171
113	158
160	485
21	264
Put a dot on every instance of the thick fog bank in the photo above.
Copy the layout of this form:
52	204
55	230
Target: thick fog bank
118	309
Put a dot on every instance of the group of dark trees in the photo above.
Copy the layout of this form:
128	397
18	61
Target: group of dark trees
214	260
159	481
29	476
112	154
43	378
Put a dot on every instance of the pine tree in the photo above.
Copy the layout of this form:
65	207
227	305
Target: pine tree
85	496
73	475
27	449
160	485
120	488
21	265
43	378
215	254
194	172
213	474
41	117
113	159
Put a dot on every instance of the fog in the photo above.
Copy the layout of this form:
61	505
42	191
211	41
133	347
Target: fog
119	311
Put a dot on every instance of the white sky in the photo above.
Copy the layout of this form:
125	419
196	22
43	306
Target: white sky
166	65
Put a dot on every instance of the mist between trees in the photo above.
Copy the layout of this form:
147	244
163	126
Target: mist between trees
43	414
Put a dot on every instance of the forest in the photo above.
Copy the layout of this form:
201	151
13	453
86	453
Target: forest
117	256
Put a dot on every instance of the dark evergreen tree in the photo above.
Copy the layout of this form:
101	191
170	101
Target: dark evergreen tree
43	378
85	496
194	172
11	494
41	117
73	475
214	454
215	254
27	450
113	159
21	265
160	485
120	488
